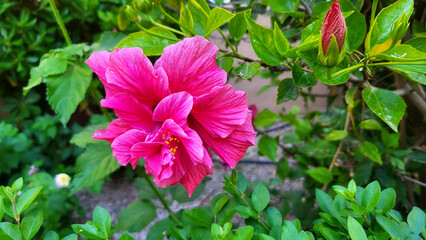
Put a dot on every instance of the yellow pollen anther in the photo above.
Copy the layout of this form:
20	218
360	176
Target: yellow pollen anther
167	142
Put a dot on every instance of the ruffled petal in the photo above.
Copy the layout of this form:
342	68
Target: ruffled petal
175	106
122	145
220	111
232	148
136	114
191	66
132	71
114	129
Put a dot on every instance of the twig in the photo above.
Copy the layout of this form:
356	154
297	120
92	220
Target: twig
414	180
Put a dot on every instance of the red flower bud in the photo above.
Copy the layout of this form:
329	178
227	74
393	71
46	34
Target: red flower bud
334	24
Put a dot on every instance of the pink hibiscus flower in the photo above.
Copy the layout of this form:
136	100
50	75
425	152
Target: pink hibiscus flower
172	112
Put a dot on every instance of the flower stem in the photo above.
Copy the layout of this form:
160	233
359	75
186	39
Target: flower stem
165	27
227	41
60	22
161	198
155	34
15	213
347	70
396	63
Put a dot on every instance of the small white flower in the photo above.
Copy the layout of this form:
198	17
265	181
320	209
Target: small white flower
62	180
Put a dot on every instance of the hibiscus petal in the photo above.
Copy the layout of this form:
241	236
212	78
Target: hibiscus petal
193	145
175	106
130	110
122	145
114	129
132	71
220	111
191	66
232	148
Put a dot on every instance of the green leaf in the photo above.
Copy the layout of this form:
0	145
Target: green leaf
83	138
416	219
122	19
247	70
127	236
324	200
9	231
102	220
310	57
387	200
244	233
356	29
281	43
94	164
387	105
217	232
414	73
370	196
87	231
145	191
418	43
390	227
26	199
237	26
52	65
268	147
200	233
199	217
157	230
283	169
302	78
217	17
287	90
387	17
260	197
67	90
72	236
225	63
370	150
273	216
136	216
16	186
200	14
262	41
218	202
51	235
1	207
108	41
284	6
36	79
185	19
245	212
402	53
356	231
370	124
320	174
150	44
342	191
263	236
289	231
265	117
31	223
336	135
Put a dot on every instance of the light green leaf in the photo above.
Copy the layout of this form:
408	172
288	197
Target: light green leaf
356	231
244	233
370	124
247	70
36	79
65	91
136	216
262	41
102	220
52	65
263	236
199	217
416	219
415	73
260	197
324	200
83	138
31	223
237	26
418	43
273	216
370	150
51	235
72	236
302	78
268	147
16	186
27	198
108	41
157	230
87	231
185	19
390	227
93	165
320	174
284	6
225	63
200	13
387	105
217	17
281	43
387	200
9	231
336	135
265	117
287	90
370	196
150	44
403	53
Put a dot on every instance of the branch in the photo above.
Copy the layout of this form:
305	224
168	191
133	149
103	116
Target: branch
246	59
414	180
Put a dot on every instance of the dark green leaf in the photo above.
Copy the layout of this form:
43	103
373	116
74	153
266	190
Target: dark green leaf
387	200
324	200
320	174
281	43
247	70
31	223
108	41
283	169
415	73
287	90
93	165
260	197
262	41
72	236
356	232
217	17
126	236
157	230
65	91
390	226
268	147
16	186
237	26
225	63
150	44
356	30
200	14
9	231
102	220
302	78
370	196
26	199
387	105
265	118
418	43
370	150
218	202
51	235
136	216
245	212
199	217
273	216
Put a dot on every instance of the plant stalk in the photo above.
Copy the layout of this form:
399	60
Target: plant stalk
60	22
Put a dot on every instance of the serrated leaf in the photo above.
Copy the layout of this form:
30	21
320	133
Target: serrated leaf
387	105
136	216
262	41
65	91
93	165
217	17
83	138
36	79
150	44
302	78
247	70
414	73
31	223
320	174
260	197
52	65
26	199
356	232
287	90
